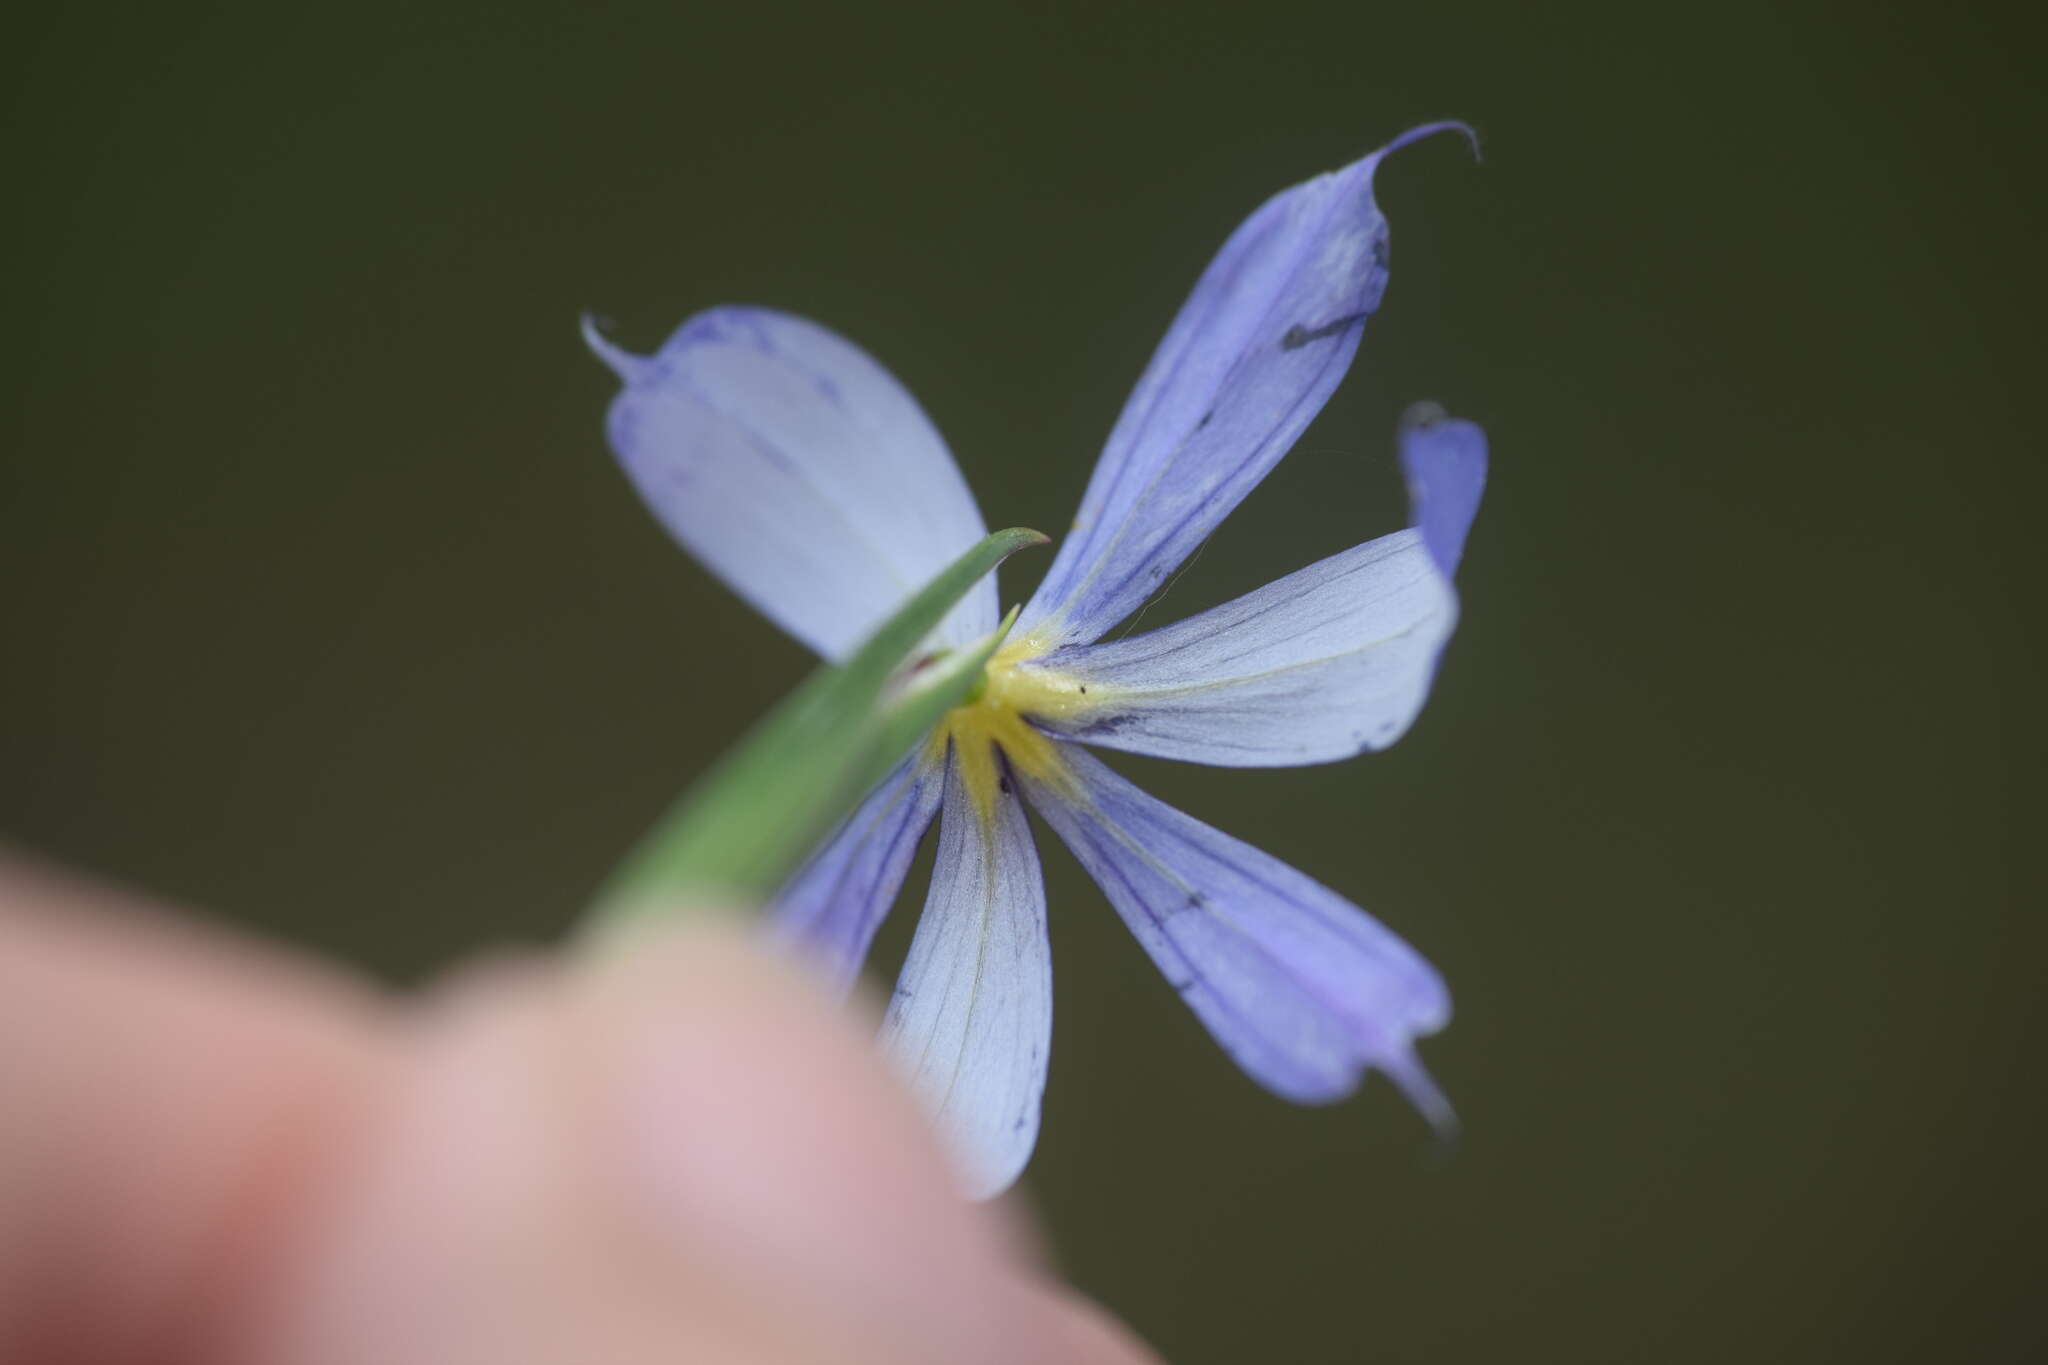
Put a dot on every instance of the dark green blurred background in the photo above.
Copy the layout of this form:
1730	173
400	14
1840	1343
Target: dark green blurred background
326	609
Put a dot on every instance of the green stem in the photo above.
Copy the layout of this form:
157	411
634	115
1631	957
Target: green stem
740	832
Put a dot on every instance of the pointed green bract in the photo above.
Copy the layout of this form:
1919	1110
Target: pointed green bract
742	830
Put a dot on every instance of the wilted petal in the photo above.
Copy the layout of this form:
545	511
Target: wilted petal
832	907
1256	350
1301	987
971	1020
798	470
1319	665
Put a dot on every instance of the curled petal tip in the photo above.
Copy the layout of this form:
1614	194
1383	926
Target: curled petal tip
1421	131
618	360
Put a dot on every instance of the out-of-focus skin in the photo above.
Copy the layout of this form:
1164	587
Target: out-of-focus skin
674	1152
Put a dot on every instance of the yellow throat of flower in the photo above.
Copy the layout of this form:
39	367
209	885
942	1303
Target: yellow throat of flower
993	725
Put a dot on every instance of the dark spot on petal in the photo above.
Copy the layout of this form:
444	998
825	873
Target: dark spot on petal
1299	336
1205	419
1003	781
1084	689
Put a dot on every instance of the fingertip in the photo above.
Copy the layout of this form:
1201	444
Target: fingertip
1078	1331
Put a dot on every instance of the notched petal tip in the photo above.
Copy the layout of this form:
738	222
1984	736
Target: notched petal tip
616	358
1422	416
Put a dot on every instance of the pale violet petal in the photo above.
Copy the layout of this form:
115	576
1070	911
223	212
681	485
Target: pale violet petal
830	910
1256	350
1303	989
971	1021
1319	665
797	469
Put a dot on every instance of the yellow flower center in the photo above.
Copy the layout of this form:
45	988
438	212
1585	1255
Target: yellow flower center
995	725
